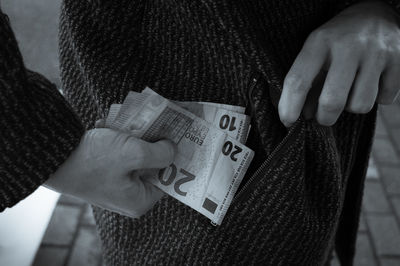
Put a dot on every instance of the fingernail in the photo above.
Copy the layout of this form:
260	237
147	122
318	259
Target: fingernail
287	124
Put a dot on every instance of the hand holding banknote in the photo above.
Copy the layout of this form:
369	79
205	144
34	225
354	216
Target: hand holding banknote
211	158
110	169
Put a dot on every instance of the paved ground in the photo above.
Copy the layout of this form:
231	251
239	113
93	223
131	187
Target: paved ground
378	240
71	238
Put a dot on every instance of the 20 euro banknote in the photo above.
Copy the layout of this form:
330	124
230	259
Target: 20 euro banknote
209	165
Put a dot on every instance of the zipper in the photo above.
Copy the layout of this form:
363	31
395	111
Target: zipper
241	192
275	152
249	103
249	93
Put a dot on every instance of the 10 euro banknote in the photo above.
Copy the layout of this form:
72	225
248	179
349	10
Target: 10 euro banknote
211	160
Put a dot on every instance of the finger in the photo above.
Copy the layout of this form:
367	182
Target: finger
145	173
133	197
336	88
151	196
142	154
298	81
100	123
135	201
365	89
142	197
389	86
311	104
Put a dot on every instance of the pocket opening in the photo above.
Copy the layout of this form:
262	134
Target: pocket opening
267	131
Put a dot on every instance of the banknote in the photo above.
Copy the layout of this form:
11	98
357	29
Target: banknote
227	118
232	108
112	114
210	164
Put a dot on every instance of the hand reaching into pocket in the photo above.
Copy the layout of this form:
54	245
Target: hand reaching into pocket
109	169
359	52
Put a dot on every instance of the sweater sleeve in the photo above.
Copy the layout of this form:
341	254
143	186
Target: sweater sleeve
38	127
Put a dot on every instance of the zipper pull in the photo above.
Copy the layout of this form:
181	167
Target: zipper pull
253	84
248	95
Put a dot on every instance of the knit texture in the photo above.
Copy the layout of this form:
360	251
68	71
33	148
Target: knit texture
304	187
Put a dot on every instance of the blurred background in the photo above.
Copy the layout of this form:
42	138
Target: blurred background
54	230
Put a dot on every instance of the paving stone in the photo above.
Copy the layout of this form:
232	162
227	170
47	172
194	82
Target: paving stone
391	179
391	114
372	172
380	129
390	262
62	225
385	233
396	205
66	199
54	256
384	152
87	250
374	198
362	227
364	255
88	218
396	137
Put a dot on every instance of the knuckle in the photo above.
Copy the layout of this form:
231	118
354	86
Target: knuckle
380	52
296	84
330	104
390	47
362	40
320	35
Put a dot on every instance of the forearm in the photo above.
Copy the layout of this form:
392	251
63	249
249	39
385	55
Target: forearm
38	128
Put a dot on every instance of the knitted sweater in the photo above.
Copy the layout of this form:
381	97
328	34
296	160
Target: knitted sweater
303	189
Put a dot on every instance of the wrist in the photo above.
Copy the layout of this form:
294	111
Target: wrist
63	180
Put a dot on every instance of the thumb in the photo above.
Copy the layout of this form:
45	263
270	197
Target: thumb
100	123
146	155
145	199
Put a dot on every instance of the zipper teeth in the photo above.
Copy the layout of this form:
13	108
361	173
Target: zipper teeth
271	156
254	81
261	168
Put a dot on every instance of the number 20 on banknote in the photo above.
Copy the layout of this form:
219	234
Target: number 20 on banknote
172	176
168	176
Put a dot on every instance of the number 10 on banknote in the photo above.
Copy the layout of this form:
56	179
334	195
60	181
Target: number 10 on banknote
209	165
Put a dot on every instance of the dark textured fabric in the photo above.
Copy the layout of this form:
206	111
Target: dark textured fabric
38	128
305	183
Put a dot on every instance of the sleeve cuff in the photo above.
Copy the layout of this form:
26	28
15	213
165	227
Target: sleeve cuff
39	138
